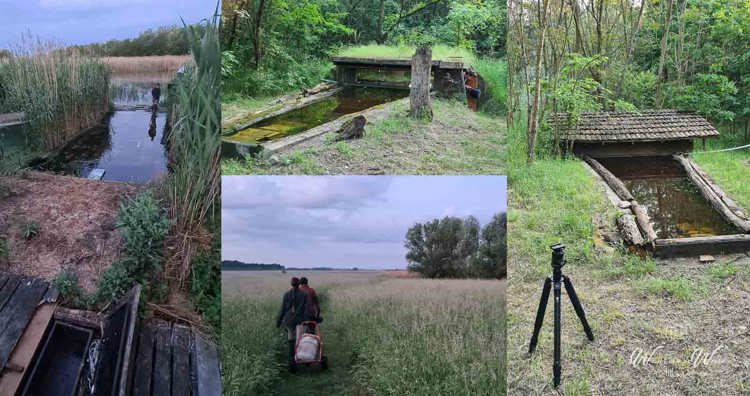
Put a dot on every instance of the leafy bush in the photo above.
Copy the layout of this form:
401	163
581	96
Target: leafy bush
206	285
66	284
711	95
143	225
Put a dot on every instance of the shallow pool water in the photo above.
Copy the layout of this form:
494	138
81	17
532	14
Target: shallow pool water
675	205
128	148
349	100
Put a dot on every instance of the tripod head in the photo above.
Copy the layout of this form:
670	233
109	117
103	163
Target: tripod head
558	260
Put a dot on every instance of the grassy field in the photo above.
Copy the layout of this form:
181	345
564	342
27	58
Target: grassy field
674	307
731	170
439	52
457	141
383	336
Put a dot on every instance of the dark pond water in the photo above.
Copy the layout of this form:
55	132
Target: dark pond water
11	139
350	100
129	148
674	204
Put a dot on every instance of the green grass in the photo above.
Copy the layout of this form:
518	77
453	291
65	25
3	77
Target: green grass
457	141
494	72
731	171
439	52
679	288
382	337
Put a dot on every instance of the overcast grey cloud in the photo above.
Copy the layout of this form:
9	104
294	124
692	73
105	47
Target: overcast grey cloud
343	221
68	22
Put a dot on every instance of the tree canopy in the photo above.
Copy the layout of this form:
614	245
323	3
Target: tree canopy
452	247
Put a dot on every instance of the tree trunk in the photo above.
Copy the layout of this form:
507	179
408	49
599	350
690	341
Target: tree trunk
634	33
663	57
419	94
380	22
532	122
258	33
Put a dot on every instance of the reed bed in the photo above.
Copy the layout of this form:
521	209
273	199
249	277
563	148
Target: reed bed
61	94
193	183
384	335
145	64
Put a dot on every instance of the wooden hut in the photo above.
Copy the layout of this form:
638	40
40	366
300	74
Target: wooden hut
624	134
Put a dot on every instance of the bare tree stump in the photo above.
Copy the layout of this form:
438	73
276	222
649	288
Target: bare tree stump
419	90
352	129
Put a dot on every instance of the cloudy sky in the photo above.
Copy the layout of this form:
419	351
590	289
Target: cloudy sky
67	22
343	221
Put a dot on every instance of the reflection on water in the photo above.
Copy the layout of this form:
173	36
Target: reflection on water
674	204
128	148
136	89
12	139
349	100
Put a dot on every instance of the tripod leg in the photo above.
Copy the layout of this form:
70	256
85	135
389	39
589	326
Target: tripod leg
556	364
540	314
578	307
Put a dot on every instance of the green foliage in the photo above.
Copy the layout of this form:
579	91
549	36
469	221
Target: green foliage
452	248
60	94
143	224
677	288
166	40
193	183
29	230
205	284
711	95
66	284
722	271
494	73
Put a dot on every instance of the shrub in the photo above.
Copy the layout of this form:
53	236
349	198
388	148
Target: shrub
143	225
66	284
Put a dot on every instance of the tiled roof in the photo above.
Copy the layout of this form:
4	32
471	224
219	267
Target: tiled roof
620	126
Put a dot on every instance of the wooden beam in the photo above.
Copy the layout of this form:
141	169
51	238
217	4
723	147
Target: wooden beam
714	194
616	184
677	247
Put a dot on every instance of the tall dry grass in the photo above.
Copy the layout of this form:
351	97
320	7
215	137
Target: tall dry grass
392	336
145	64
61	94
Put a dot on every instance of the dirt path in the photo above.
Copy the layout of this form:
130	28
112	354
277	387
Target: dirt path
74	221
457	141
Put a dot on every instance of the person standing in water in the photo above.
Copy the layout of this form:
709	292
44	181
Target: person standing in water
155	95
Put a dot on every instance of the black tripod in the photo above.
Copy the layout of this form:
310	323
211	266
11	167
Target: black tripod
558	261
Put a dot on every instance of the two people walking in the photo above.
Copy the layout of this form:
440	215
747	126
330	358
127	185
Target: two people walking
300	304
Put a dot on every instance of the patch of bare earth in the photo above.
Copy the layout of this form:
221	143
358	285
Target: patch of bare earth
75	221
646	342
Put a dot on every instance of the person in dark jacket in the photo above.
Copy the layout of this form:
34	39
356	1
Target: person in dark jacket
156	94
293	313
313	306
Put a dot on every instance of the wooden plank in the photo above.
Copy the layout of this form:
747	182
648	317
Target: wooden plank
642	219
616	184
144	362
181	383
21	357
715	195
162	374
133	298
20	309
207	372
5	293
680	247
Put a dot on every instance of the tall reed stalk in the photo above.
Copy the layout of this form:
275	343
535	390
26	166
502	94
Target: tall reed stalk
61	93
193	183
